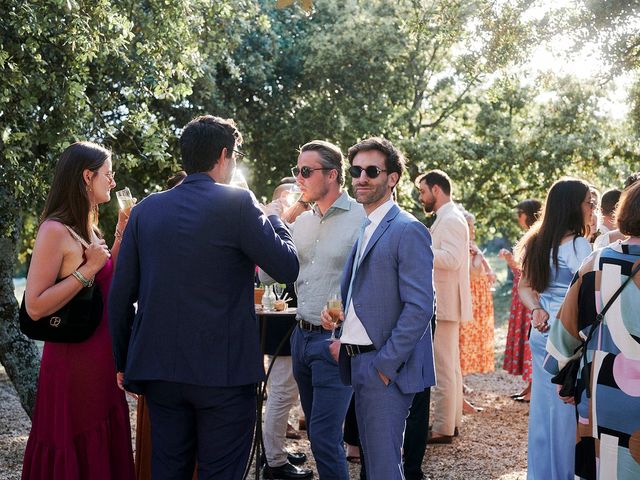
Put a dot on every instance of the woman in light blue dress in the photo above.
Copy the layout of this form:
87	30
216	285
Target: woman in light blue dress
551	253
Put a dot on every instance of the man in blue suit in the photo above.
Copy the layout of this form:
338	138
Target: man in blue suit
387	288
192	347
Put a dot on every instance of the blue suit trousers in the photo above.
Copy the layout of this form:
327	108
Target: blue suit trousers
324	398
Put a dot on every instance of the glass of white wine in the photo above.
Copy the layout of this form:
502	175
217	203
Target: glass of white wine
125	200
238	180
334	309
294	194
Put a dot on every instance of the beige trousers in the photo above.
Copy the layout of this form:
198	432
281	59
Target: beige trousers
447	394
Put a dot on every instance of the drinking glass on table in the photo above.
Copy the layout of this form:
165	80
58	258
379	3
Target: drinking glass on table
334	309
125	200
278	289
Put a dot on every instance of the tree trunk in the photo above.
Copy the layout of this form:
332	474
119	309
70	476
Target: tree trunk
18	354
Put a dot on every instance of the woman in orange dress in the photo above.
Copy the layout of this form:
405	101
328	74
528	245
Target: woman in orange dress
476	337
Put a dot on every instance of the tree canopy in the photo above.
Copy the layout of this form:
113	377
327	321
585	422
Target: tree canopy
441	78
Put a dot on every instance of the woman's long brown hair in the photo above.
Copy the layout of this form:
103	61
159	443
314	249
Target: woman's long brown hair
68	200
562	214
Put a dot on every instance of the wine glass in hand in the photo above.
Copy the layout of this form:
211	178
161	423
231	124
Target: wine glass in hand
334	309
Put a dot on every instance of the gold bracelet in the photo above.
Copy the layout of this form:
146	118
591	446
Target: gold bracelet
118	234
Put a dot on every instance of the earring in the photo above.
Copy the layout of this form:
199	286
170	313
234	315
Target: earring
89	190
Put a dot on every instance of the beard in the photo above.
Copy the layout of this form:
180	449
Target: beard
428	206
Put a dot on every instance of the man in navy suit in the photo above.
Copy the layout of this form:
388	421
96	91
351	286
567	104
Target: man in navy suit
192	347
387	288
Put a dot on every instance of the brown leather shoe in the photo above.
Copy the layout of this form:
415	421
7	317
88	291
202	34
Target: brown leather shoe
439	439
292	433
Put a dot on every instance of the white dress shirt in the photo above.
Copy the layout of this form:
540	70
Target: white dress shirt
353	331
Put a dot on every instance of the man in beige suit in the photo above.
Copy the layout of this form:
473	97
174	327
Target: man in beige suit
450	235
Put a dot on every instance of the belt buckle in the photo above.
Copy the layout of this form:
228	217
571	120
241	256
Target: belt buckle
351	351
308	327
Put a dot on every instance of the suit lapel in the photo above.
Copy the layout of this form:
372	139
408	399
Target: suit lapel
382	227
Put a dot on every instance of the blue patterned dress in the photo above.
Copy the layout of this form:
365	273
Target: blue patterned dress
609	418
552	424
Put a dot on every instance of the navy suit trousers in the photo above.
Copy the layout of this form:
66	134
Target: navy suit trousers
213	424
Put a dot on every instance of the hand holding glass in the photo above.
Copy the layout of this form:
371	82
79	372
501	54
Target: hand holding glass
334	309
125	200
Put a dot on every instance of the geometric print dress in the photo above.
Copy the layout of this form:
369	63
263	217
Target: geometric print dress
608	387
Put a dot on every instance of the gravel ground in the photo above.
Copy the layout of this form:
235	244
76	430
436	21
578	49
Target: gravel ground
492	443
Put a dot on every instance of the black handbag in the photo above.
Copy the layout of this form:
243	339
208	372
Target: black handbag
73	323
567	377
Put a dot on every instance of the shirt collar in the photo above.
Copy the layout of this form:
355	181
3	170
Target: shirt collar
379	213
445	207
343	202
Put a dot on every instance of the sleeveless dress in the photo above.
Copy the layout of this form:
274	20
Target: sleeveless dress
552	423
476	337
80	428
517	355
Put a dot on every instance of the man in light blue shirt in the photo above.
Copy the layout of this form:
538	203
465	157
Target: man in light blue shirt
323	237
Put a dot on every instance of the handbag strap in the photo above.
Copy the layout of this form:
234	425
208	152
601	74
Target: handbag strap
613	298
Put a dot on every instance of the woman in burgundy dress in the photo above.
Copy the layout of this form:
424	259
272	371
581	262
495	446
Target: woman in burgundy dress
517	356
80	426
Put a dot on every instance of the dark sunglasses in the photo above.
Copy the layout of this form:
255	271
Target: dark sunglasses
307	171
239	153
371	171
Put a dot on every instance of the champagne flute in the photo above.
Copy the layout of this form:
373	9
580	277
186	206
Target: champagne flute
125	200
278	289
238	180
334	309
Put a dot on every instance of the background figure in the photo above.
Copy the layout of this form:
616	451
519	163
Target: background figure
476	337
608	227
281	385
609	404
192	347
551	252
450	235
615	235
517	354
80	426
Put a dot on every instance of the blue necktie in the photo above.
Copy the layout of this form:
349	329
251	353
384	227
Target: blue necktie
356	262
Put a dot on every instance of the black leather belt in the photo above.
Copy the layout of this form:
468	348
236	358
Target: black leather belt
353	350
310	327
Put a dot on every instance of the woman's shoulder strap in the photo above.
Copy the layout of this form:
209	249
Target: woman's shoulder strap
73	233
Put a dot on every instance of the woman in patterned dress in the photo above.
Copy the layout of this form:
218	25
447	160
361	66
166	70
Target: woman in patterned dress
517	356
608	409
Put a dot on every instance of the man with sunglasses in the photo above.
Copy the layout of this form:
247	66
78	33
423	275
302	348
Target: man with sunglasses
324	237
387	290
450	234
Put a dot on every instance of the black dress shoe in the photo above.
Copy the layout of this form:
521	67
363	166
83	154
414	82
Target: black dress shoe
286	472
296	458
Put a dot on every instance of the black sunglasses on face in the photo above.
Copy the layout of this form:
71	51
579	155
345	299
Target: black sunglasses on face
307	171
371	171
